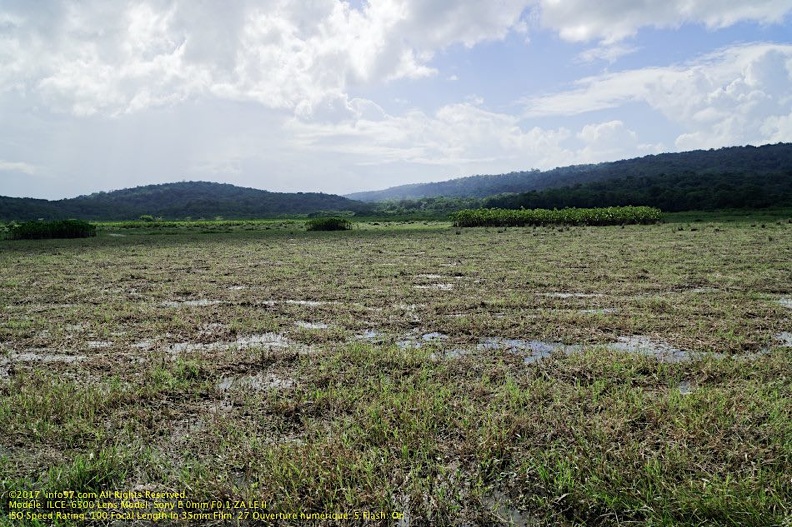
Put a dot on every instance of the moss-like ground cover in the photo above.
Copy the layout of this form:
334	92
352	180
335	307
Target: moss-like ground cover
391	369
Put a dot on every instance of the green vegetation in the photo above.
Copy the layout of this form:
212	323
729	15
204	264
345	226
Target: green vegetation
37	230
741	168
540	217
191	199
481	378
729	178
328	224
425	208
677	192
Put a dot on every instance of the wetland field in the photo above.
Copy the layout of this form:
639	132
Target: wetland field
398	374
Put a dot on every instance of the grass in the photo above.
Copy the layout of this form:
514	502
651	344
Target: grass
175	363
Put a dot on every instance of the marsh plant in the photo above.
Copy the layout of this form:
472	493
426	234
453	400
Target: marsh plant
567	216
328	224
39	230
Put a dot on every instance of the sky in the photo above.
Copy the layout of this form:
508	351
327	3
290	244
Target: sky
342	96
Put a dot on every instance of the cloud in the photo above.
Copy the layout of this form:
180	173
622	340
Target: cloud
458	140
463	136
609	53
737	95
610	140
614	20
12	166
94	57
778	128
609	134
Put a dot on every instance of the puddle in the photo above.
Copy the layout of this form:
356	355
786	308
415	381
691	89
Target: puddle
266	340
97	344
536	349
409	307
273	340
403	506
438	287
310	303
430	276
237	287
310	325
259	382
703	290
191	303
660	350
413	340
369	334
43	356
500	506
190	347
786	302
143	344
785	337
570	295
405	343
603	311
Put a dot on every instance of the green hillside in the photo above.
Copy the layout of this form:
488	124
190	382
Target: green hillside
176	201
744	165
677	192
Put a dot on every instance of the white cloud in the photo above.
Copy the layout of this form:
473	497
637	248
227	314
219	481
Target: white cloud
15	166
729	97
614	20
610	134
609	53
94	57
778	128
610	140
460	136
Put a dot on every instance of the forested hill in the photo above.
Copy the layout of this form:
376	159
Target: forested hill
177	201
670	193
746	160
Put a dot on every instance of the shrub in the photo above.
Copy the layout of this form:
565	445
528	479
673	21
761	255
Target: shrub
37	230
328	224
570	216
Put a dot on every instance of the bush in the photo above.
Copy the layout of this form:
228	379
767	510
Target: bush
570	216
328	224
38	230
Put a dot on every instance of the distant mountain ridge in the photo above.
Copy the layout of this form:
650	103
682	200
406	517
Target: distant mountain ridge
194	199
747	159
733	177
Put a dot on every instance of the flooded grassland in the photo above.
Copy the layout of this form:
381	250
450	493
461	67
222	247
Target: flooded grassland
479	376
